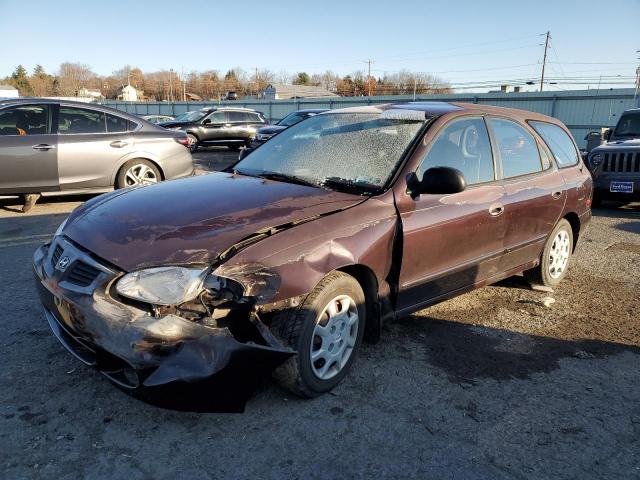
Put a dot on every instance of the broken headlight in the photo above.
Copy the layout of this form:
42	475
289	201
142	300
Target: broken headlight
162	285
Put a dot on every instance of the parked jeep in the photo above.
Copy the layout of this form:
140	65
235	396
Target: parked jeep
615	165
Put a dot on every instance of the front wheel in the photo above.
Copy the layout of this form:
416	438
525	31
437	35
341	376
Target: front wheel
555	257
326	332
193	142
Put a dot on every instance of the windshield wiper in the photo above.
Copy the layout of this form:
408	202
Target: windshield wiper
283	177
349	185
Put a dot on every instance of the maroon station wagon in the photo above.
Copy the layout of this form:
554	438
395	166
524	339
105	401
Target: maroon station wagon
287	260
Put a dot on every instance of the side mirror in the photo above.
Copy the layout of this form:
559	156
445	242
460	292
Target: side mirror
606	134
207	121
437	180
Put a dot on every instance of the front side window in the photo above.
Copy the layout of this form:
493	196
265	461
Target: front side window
254	118
218	117
73	120
116	124
517	148
355	152
24	120
559	142
462	144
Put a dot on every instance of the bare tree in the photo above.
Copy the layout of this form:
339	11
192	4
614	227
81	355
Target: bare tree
72	77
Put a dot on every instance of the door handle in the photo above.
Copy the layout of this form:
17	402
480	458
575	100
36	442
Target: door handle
556	195
43	147
496	209
118	144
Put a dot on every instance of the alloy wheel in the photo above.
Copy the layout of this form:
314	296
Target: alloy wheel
140	174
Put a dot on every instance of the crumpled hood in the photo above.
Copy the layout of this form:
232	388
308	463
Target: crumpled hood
194	219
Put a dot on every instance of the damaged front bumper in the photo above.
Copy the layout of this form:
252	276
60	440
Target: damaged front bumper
133	345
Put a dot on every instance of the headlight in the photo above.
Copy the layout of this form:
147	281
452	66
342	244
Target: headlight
162	285
595	159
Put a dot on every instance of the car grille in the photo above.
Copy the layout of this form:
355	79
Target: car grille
57	253
82	274
621	162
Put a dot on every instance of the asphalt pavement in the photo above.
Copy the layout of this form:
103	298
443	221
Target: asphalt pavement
490	385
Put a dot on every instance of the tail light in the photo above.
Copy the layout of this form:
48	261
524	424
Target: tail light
182	140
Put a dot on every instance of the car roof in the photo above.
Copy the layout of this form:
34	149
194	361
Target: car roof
56	101
437	109
311	110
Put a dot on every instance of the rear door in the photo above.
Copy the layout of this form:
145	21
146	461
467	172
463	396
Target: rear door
535	191
453	241
91	144
28	153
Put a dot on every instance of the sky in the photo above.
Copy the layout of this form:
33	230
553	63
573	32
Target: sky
469	43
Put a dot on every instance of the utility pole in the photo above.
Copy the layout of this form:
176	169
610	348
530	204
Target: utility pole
257	82
184	84
171	84
369	62
544	60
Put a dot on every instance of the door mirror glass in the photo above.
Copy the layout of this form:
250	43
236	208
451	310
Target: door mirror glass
437	180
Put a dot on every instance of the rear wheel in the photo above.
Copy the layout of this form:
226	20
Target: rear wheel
555	257
326	332
137	172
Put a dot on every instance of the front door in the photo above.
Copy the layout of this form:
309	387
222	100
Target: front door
28	150
91	144
453	241
215	128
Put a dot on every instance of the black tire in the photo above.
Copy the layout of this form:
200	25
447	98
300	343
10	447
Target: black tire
296	329
121	181
541	275
193	142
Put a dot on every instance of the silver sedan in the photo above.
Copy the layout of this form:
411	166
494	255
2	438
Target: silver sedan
60	147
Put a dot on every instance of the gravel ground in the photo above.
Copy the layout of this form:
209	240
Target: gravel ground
489	385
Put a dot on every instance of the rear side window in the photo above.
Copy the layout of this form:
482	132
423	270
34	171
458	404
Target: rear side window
517	148
238	117
73	120
116	124
254	118
560	144
24	120
462	144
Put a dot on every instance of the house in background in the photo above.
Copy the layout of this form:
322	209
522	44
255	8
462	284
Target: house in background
90	93
129	94
7	91
278	91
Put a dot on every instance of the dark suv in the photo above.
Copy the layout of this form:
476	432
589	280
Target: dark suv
615	165
231	127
